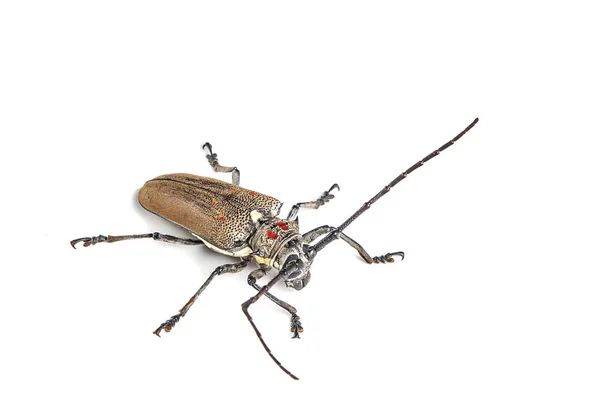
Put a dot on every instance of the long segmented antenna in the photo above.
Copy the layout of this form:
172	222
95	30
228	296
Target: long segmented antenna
333	234
252	300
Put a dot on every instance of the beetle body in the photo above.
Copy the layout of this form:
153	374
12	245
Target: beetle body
245	224
218	213
227	218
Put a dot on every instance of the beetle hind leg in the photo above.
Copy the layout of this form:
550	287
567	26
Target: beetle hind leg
90	241
214	163
295	324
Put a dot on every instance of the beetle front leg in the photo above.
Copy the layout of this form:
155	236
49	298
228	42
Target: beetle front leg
310	236
326	197
155	235
222	269
295	324
214	163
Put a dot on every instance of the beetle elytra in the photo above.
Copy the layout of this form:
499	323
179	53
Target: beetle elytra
243	223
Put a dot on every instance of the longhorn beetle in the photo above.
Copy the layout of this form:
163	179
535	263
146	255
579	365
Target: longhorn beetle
242	223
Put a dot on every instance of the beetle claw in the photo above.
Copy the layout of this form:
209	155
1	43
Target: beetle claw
327	195
209	147
168	325
76	241
387	258
89	241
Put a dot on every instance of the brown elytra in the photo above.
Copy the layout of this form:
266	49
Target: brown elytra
217	212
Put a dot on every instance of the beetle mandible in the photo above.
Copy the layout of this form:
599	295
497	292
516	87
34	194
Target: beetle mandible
242	223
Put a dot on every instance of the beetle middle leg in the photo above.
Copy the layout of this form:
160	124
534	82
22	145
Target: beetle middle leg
310	236
295	324
315	204
222	269
214	162
88	241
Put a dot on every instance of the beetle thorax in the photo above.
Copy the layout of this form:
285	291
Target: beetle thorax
270	239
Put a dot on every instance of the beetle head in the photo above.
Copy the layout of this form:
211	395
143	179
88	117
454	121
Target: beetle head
296	261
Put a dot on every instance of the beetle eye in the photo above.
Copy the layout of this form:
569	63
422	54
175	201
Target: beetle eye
292	258
294	274
299	284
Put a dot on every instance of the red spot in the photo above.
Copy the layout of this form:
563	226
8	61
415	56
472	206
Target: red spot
271	234
252	193
214	202
283	226
222	218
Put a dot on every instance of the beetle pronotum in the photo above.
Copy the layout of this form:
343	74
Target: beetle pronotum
242	223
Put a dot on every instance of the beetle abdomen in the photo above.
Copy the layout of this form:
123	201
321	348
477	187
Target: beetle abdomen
214	210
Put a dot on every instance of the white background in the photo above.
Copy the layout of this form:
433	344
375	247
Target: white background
498	295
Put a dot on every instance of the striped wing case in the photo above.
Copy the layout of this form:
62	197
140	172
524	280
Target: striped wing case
216	211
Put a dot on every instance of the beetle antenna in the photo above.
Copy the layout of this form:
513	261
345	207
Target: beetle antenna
334	234
252	300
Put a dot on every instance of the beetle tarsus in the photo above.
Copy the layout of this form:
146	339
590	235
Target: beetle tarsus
168	325
214	163
89	241
327	196
212	157
296	326
387	258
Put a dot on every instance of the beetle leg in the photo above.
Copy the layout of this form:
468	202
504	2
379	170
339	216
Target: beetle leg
363	253
296	325
326	197
214	162
310	236
253	300
222	269
156	236
317	232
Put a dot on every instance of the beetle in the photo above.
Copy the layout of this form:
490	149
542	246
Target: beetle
243	223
